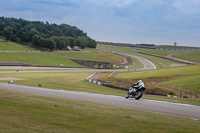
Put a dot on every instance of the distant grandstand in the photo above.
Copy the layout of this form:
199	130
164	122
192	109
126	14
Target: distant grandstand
150	46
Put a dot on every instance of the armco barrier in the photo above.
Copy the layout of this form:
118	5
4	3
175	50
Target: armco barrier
128	66
152	93
176	49
95	82
14	64
130	61
103	84
116	87
171	96
92	81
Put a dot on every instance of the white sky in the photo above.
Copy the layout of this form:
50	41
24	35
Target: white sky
161	22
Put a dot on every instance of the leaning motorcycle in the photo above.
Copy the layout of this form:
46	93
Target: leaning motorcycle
135	92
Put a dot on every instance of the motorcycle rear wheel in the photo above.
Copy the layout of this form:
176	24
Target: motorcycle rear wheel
138	95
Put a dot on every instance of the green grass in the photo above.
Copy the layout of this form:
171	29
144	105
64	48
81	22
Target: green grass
160	52
35	58
91	54
76	82
166	80
168	72
137	64
190	101
169	79
159	62
5	46
41	69
192	55
67	81
31	113
53	58
40	59
26	47
186	82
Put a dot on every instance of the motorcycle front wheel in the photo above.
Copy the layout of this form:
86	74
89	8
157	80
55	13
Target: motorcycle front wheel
127	96
138	95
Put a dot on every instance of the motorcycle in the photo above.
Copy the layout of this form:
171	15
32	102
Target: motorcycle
135	92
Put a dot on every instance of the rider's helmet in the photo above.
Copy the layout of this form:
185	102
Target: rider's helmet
139	81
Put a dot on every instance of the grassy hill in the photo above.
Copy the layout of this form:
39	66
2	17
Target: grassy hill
191	55
13	46
91	54
169	80
15	52
159	62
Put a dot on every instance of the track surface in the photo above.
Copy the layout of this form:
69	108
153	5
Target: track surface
55	71
147	65
181	110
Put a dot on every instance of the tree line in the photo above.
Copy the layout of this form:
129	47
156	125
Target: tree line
45	35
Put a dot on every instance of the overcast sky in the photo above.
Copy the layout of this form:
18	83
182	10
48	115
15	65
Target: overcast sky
161	22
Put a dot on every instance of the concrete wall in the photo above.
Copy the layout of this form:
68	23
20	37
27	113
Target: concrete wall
13	64
94	64
176	49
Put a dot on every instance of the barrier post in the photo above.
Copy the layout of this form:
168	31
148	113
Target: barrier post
181	94
195	95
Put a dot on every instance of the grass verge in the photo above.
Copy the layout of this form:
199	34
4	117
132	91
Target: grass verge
74	81
31	113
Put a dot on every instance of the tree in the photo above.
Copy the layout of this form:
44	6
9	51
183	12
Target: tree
71	41
79	42
42	42
51	44
32	32
92	43
8	32
51	36
35	40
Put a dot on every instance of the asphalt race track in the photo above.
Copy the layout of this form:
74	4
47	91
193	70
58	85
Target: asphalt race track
148	65
175	109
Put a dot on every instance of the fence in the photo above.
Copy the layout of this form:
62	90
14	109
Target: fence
190	94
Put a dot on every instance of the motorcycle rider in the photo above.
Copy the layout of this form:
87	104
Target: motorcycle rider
136	86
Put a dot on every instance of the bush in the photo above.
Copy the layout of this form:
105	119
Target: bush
172	93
